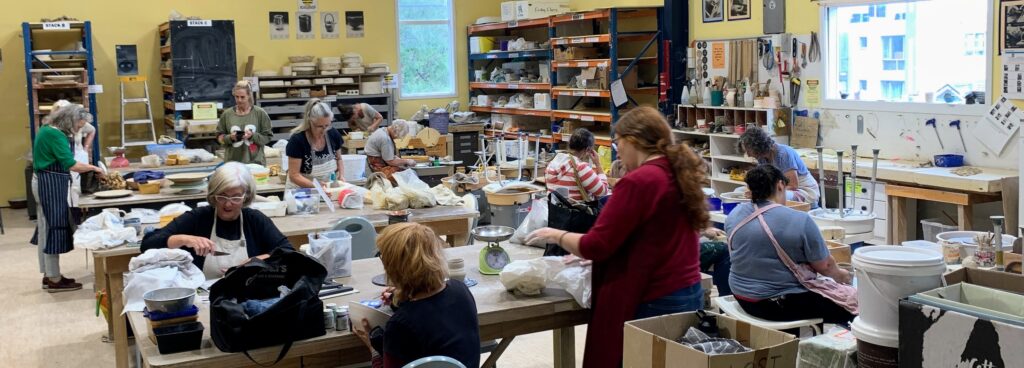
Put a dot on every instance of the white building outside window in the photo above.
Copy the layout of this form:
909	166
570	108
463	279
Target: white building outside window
426	48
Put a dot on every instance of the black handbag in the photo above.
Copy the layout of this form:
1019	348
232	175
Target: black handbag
563	214
296	316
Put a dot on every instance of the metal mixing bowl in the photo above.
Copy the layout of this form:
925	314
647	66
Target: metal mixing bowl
169	300
493	233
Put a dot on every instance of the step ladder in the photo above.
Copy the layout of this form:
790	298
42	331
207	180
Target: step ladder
147	121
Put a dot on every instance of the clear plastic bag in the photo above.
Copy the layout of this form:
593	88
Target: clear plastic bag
333	249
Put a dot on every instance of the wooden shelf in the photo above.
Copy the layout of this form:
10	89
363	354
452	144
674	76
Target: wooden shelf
540	53
168	89
735	108
721	179
547	139
165	50
169	121
587	63
166	73
577	40
43	86
164	27
582	115
511	86
735	158
605	14
511	111
577	92
515	24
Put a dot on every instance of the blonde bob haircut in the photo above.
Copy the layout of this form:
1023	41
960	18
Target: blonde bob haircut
412	258
232	175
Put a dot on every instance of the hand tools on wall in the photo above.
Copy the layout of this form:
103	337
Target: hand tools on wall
956	123
931	122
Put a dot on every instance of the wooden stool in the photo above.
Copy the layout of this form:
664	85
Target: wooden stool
900	230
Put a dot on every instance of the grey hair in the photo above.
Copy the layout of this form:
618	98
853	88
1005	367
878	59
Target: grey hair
64	118
400	130
232	175
315	109
756	142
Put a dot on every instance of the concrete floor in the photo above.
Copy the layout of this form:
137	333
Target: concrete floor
40	329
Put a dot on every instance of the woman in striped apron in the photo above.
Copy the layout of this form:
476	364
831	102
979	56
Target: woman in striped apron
53	162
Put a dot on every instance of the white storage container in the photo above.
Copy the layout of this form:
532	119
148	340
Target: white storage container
355	166
542	101
271	209
371	88
540	9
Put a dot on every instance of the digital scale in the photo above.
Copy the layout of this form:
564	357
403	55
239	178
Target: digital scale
493	258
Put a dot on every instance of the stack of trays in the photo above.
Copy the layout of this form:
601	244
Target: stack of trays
188	183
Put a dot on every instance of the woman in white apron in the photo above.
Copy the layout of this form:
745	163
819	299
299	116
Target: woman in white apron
314	149
226	233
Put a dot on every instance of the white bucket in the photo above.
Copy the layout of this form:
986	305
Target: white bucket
355	166
887	273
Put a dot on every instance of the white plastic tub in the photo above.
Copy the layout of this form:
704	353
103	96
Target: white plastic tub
967	239
885	274
857	222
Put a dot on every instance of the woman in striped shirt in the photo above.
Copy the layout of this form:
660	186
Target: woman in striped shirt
591	178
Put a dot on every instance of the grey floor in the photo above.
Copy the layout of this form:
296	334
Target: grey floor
40	329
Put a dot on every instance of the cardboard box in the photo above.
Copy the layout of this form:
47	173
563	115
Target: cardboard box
996	280
936	337
841	252
480	45
540	9
651	343
576	53
508	11
629	81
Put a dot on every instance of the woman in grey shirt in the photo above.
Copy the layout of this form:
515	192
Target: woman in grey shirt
381	154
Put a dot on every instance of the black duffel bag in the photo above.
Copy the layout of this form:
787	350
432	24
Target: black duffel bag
563	214
296	316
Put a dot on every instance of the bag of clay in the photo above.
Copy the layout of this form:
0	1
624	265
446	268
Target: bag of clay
104	230
536	219
530	277
333	250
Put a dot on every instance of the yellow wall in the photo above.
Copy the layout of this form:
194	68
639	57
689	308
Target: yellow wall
135	22
598	4
802	17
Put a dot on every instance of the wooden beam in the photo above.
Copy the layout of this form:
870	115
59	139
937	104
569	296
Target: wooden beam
927	194
492	359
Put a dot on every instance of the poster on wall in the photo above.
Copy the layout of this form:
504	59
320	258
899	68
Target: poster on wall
999	125
127	60
718	55
329	22
739	9
1012	29
307	6
278	25
305	30
355	25
713	11
1013	76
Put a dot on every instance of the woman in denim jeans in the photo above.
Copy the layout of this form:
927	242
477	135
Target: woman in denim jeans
644	244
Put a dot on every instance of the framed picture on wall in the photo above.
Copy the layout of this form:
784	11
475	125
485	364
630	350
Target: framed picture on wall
1012	27
739	9
713	10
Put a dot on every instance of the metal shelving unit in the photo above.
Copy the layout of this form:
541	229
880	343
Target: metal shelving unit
46	53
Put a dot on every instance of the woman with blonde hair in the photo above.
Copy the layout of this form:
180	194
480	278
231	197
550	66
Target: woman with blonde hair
243	130
227	232
314	149
52	164
433	315
644	245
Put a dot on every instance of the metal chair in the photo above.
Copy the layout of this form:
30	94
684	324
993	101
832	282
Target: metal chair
732	308
364	236
435	362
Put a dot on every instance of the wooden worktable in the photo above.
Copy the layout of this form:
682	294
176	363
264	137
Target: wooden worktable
501	315
988	181
166	195
453	222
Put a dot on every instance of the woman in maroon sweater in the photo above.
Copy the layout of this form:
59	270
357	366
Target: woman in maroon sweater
645	243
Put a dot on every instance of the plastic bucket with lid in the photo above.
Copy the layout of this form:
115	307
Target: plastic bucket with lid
885	274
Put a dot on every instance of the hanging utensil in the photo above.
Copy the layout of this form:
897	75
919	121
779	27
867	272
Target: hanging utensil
931	122
853	176
793	54
841	178
874	177
956	123
815	52
803	55
821	177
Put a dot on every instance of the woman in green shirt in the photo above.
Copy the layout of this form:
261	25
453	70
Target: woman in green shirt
52	163
243	130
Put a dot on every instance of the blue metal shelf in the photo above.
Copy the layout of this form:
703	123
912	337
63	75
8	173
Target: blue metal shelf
535	54
30	57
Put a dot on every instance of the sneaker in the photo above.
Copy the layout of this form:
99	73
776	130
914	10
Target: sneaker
61	277
63	285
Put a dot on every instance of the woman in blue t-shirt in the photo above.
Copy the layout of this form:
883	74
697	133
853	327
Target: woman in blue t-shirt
433	315
802	187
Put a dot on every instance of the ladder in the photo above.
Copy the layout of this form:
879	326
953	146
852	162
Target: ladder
147	121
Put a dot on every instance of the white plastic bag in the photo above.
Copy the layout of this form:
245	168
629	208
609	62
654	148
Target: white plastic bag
159	268
536	219
445	196
104	230
530	277
174	209
408	178
333	249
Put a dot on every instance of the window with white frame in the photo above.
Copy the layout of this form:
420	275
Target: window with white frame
914	49
426	48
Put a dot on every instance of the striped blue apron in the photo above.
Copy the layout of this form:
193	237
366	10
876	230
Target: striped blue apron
53	184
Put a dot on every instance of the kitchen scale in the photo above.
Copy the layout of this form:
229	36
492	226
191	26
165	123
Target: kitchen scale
493	258
119	160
